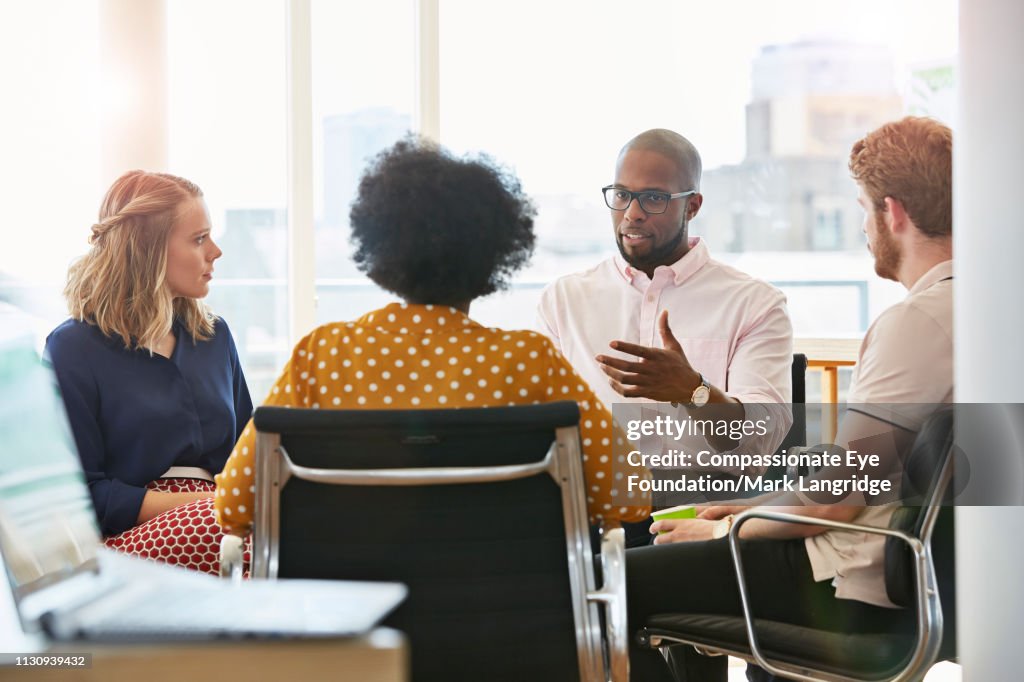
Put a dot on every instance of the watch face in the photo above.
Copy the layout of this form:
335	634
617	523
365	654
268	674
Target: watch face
701	396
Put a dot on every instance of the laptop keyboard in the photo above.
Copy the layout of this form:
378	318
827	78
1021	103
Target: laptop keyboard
219	610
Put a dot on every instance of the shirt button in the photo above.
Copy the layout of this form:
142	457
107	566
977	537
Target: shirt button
650	299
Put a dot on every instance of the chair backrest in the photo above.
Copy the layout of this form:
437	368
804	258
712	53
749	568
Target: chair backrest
926	487
797	434
798	431
799	371
481	512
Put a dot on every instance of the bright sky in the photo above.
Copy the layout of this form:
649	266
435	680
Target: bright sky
552	88
594	73
522	80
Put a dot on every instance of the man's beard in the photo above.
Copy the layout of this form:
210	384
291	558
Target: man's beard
659	255
888	256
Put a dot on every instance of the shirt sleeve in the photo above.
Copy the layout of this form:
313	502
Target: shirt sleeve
546	316
760	375
236	484
242	400
117	504
904	368
608	495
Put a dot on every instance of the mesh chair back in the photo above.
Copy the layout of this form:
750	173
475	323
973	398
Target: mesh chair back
928	480
490	594
798	431
799	371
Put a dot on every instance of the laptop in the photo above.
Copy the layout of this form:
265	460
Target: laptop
64	585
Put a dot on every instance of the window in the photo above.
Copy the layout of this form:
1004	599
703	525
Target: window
771	99
226	129
363	66
50	136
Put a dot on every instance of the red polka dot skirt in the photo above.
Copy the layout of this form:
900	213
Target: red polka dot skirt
187	536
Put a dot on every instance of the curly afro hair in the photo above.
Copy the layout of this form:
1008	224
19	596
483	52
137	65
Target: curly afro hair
434	228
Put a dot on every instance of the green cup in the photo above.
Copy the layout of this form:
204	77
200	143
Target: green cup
683	511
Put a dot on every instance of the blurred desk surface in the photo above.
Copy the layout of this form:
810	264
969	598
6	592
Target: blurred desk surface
379	656
836	351
828	355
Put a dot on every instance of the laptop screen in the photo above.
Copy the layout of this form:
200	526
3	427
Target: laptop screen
47	526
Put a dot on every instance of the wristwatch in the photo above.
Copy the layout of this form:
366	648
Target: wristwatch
701	394
722	527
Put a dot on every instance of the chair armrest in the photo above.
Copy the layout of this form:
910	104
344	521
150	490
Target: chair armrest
613	597
232	559
927	608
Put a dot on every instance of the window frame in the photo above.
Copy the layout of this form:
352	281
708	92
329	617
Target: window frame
302	298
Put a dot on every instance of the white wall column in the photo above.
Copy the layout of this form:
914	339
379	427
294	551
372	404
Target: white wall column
428	69
301	238
989	317
133	88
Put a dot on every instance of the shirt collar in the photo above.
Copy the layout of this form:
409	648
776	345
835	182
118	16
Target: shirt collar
943	270
682	269
409	318
116	342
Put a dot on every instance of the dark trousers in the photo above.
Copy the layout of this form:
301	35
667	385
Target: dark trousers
699	577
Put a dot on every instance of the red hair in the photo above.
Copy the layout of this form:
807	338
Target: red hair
910	160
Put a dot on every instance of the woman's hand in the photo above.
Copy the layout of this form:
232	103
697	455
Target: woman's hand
155	503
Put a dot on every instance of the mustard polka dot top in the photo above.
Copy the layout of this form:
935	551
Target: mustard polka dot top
408	356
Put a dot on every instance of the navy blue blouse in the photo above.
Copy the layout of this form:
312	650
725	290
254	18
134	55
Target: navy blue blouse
135	415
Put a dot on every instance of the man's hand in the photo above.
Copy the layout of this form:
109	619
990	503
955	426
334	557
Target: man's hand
720	511
682	530
662	374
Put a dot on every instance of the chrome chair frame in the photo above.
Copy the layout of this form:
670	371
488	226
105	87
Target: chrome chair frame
928	607
563	463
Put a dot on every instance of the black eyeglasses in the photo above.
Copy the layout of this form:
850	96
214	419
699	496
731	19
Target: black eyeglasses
619	199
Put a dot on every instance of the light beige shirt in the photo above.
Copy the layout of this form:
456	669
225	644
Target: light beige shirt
905	365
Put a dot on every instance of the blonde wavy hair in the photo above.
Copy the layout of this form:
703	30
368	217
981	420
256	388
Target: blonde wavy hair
119	285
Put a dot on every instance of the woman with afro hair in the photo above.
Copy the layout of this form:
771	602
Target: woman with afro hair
439	232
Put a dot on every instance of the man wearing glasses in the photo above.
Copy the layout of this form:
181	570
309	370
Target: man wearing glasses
662	321
810	575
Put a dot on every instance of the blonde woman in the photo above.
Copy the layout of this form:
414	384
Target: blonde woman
150	377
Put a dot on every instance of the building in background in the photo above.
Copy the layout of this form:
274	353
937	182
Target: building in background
251	290
932	91
809	102
350	141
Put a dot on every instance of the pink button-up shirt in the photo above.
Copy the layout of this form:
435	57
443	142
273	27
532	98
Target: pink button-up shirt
734	329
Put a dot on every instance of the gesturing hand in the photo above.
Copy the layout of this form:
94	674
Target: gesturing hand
662	374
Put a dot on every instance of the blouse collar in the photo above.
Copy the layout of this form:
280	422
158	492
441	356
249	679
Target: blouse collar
406	318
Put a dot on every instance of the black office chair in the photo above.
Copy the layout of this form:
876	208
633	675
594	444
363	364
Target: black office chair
798	431
481	512
919	574
799	373
797	434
